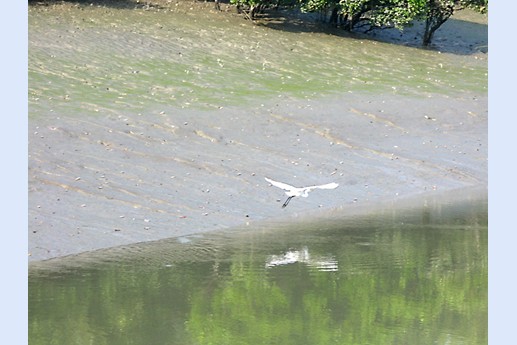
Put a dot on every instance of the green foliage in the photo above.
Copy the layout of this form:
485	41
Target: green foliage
380	13
396	13
246	2
478	5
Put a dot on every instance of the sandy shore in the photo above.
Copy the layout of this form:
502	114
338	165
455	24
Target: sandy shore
119	179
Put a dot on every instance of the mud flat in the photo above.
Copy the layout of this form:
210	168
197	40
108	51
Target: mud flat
126	146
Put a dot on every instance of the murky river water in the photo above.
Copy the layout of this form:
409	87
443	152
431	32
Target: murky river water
406	276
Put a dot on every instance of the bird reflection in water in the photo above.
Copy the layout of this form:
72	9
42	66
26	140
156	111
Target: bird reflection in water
321	263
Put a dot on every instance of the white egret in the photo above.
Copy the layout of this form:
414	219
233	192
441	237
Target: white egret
291	191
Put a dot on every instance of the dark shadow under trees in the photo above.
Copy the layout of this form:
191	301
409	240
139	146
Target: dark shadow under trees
438	31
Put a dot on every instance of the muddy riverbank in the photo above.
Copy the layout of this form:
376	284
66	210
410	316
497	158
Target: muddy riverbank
149	124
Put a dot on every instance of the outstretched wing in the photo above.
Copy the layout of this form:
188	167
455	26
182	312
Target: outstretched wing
325	186
281	185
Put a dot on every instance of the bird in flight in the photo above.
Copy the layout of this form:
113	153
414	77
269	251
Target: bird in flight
291	191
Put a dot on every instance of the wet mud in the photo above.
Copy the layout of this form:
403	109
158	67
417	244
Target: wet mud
125	146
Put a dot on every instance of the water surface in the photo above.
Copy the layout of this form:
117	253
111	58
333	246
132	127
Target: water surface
394	276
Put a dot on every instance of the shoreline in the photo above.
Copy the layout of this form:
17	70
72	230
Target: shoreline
430	205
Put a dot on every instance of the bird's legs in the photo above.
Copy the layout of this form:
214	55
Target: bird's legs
287	201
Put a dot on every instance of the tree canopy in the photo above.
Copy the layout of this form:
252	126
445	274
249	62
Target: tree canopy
350	14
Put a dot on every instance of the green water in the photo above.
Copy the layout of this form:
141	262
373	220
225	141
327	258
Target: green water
406	276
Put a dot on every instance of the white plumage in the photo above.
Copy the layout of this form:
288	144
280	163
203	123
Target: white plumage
291	191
